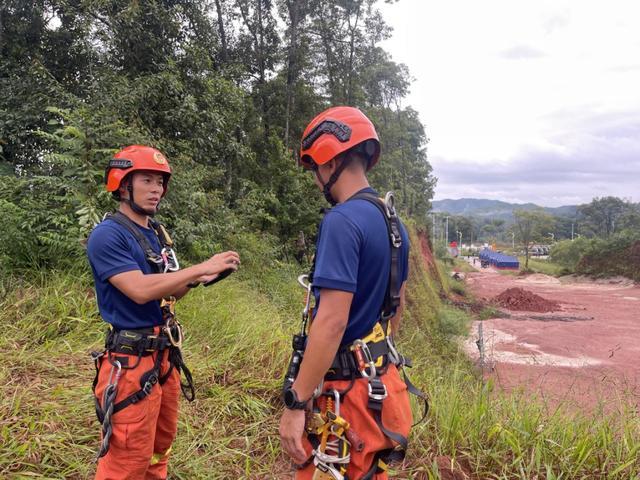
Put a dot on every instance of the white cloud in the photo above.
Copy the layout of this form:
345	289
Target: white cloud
499	80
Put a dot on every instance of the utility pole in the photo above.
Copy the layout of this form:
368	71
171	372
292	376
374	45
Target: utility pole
433	228
513	240
572	231
447	231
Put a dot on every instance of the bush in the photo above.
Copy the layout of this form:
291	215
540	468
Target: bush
567	253
617	255
39	225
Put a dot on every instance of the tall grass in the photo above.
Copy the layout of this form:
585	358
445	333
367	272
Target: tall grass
238	335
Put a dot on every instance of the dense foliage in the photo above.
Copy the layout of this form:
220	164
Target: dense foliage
223	88
618	254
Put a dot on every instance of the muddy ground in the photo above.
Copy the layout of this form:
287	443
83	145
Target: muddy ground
586	352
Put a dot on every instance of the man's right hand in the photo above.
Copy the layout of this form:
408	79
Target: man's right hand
220	262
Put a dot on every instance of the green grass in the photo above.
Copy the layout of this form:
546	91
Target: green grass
464	266
489	312
238	335
452	321
546	267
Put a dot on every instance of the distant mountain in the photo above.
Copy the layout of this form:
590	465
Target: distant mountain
479	207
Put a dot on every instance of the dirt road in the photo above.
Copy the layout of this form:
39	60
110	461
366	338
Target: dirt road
586	352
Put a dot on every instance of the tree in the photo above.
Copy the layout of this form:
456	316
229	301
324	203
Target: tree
604	216
464	225
224	88
531	226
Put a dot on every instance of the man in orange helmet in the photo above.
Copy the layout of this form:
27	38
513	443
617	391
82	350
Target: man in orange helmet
347	410
138	280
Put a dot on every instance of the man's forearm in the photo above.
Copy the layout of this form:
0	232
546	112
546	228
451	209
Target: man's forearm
165	284
181	292
322	345
143	288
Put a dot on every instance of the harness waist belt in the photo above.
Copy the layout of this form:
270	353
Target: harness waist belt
345	366
141	342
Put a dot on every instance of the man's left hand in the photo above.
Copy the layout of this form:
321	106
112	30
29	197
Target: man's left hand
207	278
291	431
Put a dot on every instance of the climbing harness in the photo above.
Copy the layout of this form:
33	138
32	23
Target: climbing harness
142	342
163	262
365	358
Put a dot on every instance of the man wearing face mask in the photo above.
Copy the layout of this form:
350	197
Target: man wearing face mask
347	411
138	280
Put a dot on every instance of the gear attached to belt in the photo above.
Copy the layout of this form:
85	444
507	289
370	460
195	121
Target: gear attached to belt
141	343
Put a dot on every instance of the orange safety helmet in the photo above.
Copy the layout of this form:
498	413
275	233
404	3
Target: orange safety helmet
132	159
335	131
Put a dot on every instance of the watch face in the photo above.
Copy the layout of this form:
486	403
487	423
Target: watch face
289	398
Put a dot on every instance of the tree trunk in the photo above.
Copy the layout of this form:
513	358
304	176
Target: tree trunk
223	37
293	7
352	48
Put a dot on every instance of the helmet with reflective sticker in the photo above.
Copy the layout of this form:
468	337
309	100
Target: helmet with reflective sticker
335	131
136	158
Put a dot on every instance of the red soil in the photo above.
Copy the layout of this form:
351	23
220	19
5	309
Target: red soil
517	298
585	353
427	253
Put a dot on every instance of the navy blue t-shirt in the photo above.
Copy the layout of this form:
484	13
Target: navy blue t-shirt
353	254
112	249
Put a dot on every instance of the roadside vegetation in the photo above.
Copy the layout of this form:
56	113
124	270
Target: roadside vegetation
238	335
618	254
544	266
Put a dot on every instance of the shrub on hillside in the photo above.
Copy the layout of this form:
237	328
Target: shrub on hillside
567	253
617	255
39	226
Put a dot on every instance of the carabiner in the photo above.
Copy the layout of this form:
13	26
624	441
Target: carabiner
176	342
364	359
336	402
115	365
303	281
394	356
390	204
318	390
170	260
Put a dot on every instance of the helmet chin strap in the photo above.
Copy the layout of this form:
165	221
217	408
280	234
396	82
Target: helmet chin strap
137	208
326	187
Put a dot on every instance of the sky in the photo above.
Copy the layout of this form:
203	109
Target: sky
525	101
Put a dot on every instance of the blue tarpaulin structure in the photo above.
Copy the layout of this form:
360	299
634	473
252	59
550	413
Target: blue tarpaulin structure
498	260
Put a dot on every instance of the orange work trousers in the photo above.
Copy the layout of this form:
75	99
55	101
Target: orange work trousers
144	431
396	416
